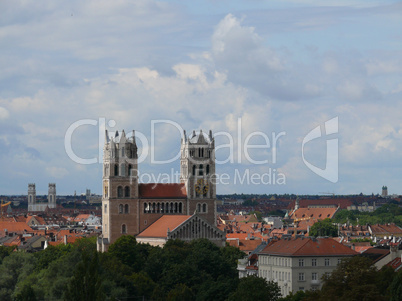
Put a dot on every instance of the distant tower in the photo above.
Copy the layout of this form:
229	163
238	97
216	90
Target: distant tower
31	197
120	188
384	191
51	197
297	204
197	172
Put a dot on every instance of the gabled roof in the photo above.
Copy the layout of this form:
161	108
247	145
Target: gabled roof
161	226
162	191
314	213
308	247
17	227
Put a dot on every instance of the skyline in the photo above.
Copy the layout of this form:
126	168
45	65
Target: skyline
277	66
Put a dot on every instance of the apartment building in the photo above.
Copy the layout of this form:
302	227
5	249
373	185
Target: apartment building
299	263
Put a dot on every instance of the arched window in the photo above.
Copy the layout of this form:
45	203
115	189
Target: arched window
163	208
201	170
199	208
30	198
130	167
207	171
122	152
123	229
145	207
153	207
176	207
116	170
126	208
120	209
158	208
123	169
180	207
204	207
127	192
171	207
120	192
193	170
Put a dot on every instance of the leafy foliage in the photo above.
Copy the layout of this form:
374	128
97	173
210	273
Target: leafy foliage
255	288
324	228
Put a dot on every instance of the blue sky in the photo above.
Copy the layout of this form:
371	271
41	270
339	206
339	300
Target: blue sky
278	66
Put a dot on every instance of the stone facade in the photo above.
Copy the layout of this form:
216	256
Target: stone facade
129	207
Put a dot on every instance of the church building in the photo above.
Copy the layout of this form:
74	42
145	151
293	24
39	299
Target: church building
155	212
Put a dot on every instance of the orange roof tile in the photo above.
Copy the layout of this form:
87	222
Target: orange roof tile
18	227
165	222
245	245
314	213
308	247
162	191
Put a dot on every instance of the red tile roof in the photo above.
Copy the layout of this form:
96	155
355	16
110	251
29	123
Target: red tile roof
308	247
245	245
165	222
17	227
342	203
314	213
162	191
396	263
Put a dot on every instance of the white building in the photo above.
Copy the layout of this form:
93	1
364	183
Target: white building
299	263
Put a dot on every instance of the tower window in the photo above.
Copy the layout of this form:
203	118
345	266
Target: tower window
130	167
123	229
120	192
199	208
127	192
193	170
204	207
105	208
207	169
122	152
201	170
126	208
116	170
120	209
123	170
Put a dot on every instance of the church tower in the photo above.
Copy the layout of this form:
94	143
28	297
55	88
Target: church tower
120	188
51	197
197	172
31	197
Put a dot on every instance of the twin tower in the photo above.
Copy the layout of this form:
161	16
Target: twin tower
129	207
51	198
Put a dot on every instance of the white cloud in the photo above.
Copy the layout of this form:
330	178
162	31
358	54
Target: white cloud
4	114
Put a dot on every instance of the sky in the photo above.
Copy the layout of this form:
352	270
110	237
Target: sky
302	96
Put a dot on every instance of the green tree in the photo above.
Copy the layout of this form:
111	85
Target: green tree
86	284
354	279
129	252
395	289
180	293
255	288
26	294
15	267
324	228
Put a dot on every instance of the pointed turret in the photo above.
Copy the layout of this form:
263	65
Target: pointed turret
133	139
106	137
